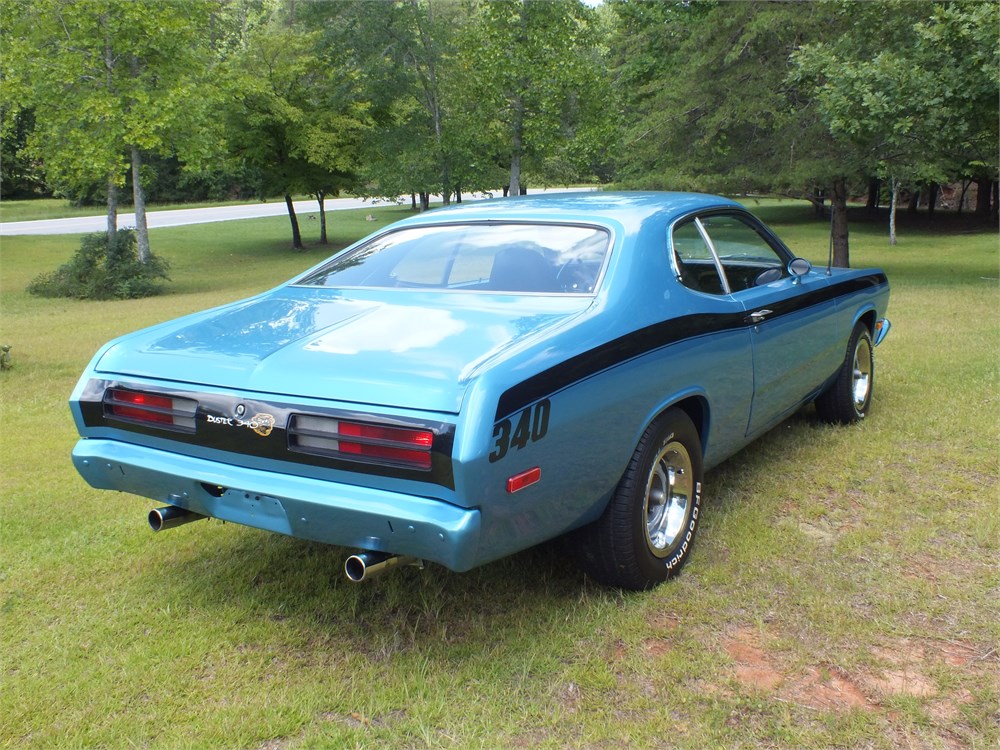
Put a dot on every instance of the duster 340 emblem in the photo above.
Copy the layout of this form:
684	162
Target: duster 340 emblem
262	424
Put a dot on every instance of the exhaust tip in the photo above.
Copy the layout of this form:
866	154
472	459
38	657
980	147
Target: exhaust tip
168	516
356	567
156	519
363	565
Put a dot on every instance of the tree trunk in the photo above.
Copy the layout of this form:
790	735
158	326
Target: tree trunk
516	145
296	234
838	224
413	201
874	194
914	201
109	67
892	210
818	201
112	213
995	210
983	189
320	197
139	202
961	201
425	201
932	195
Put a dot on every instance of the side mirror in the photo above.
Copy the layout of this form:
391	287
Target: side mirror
798	268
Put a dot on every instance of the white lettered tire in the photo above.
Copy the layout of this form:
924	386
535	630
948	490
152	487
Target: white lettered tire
645	534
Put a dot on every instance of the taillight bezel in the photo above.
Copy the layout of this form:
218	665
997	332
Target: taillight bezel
150	409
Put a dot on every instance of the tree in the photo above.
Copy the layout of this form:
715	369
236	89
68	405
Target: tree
716	109
108	80
533	78
409	64
912	90
20	174
293	115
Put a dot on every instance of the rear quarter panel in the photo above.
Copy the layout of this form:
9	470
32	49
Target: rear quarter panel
642	347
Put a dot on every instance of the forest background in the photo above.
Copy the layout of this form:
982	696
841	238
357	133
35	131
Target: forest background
109	101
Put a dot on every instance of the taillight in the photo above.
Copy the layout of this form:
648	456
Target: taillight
150	408
397	446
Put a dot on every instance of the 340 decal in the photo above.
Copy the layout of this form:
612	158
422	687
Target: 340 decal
532	425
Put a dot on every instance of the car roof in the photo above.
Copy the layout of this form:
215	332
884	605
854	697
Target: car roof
630	209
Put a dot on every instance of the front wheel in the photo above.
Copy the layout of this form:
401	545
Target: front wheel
646	532
849	398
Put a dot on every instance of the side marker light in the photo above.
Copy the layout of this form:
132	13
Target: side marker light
524	479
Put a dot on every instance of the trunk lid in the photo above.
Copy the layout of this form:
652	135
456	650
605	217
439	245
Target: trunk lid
385	347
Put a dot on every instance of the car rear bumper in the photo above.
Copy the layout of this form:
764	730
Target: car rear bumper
340	514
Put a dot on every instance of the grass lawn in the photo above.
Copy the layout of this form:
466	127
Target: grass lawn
844	590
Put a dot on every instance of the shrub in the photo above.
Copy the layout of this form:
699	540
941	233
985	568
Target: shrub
94	272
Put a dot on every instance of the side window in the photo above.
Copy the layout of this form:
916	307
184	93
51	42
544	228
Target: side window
695	261
747	258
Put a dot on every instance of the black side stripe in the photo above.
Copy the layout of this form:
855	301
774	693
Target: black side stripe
656	336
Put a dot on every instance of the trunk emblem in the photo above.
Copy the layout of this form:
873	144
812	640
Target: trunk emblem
262	424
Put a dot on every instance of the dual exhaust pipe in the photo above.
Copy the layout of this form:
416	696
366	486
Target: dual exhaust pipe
359	567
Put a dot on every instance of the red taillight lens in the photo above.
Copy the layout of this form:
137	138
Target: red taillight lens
387	443
150	408
400	446
142	406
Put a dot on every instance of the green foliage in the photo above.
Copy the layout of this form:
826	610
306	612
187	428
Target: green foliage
912	87
104	75
712	109
830	560
101	273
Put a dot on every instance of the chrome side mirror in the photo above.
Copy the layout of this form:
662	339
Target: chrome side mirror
798	268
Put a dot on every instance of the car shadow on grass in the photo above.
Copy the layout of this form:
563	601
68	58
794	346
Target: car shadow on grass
268	576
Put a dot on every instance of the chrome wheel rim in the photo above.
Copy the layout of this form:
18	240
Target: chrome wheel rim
669	491
862	382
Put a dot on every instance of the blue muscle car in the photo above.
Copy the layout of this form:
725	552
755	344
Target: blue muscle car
472	381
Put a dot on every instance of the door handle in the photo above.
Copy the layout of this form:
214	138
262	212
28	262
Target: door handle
757	316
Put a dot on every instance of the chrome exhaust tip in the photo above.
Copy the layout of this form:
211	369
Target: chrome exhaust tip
170	516
363	565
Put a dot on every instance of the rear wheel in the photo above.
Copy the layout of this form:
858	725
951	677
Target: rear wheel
646	532
849	397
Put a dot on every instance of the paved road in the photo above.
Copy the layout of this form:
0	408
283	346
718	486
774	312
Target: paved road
182	216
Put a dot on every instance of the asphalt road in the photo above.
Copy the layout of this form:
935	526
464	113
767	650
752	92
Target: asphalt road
182	216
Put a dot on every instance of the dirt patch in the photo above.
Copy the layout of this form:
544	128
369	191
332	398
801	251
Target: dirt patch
663	622
656	646
756	666
752	667
827	689
902	667
570	696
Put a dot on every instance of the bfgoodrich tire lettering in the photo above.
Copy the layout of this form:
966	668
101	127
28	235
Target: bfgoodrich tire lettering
848	399
646	532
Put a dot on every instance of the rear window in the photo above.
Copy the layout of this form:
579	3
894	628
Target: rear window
494	257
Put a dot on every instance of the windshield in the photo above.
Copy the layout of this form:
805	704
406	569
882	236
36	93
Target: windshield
493	257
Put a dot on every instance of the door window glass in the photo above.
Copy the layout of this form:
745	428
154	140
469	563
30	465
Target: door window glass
747	258
696	265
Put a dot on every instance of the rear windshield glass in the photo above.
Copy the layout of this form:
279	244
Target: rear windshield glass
539	258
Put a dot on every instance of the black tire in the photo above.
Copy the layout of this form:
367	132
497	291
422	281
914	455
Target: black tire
645	534
849	398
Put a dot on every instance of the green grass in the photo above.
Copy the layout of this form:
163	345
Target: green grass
843	592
